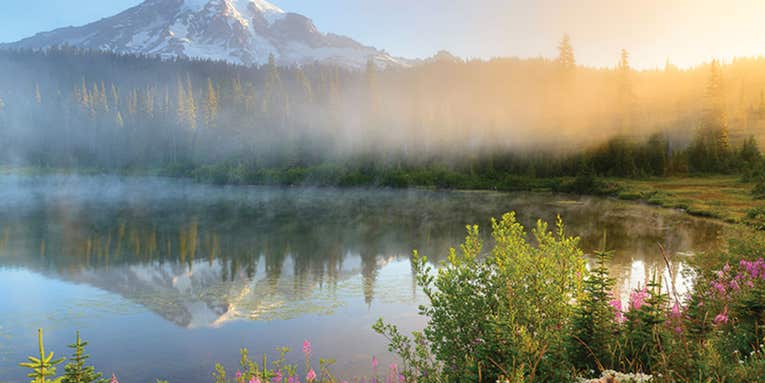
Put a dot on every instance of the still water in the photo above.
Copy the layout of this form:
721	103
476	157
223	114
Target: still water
166	277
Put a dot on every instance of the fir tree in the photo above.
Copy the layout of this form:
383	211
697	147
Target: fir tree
191	105
119	121
211	105
76	371
625	96
594	319
180	111
43	367
566	59
38	96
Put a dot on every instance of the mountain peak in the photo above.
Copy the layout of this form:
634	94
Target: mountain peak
243	32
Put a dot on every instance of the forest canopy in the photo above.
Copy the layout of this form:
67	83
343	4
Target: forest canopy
66	107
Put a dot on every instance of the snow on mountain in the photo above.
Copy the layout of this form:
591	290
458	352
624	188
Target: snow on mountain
239	31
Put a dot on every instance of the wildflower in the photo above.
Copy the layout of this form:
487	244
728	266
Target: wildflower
278	377
114	379
618	312
307	348
238	375
722	317
676	311
374	362
393	373
637	298
311	375
255	379
719	286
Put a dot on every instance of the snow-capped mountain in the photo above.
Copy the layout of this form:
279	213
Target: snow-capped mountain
239	31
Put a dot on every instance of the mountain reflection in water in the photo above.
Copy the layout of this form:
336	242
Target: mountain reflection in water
203	256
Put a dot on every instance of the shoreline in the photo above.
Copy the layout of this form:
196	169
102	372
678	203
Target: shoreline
722	198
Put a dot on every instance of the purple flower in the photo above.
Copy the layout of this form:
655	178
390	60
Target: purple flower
676	314
638	298
618	312
311	375
722	317
307	348
393	373
719	286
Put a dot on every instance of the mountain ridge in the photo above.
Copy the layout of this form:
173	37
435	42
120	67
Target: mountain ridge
245	32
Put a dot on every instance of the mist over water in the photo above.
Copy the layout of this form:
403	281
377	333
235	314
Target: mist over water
166	276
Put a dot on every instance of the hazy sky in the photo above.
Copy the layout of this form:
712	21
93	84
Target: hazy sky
684	31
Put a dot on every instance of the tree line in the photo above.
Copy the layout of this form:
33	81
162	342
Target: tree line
66	107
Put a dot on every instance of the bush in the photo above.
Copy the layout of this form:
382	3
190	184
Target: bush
502	314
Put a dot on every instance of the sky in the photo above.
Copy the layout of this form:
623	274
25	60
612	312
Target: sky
685	32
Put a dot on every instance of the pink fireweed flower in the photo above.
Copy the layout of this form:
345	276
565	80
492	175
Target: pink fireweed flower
393	373
722	317
618	311
676	314
638	298
255	379
278	377
238	375
374	362
114	379
719	286
311	376
307	348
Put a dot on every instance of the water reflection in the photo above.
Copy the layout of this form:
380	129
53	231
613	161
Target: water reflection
201	256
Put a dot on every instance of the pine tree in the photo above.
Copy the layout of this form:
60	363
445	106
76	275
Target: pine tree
38	96
593	325
625	96
191	105
715	117
714	129
115	96
305	85
211	105
43	367
180	111
103	100
566	59
83	93
119	120
272	87
76	371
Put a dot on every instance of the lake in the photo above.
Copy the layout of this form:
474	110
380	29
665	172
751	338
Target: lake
165	277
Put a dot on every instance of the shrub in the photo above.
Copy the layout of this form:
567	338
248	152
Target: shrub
502	314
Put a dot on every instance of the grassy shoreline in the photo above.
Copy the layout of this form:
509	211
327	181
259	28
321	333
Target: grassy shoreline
721	197
726	198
